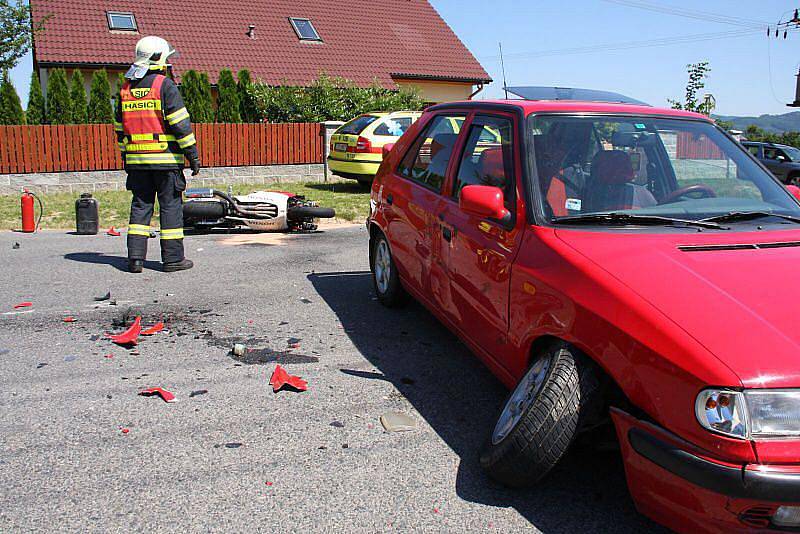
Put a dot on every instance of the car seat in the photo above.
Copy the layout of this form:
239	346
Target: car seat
610	185
441	149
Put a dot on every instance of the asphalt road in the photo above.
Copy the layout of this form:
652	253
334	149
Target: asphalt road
240	458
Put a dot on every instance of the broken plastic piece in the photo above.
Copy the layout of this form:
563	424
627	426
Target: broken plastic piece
15	246
163	393
108	356
23	305
70	358
398	422
281	378
129	336
268	483
198	392
158	327
239	349
69	319
107	296
125	430
113	232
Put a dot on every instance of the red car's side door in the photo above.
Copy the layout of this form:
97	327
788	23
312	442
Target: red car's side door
412	196
479	253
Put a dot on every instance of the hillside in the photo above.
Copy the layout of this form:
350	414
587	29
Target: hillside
787	122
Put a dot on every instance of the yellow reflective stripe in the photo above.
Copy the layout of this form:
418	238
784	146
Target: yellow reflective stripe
141	105
153	159
178	116
151	137
118	126
172	233
185	142
122	146
147	147
139	229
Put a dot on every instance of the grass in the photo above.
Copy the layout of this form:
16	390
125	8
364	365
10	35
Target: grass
350	200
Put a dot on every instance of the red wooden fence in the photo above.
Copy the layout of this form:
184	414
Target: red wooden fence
93	147
690	147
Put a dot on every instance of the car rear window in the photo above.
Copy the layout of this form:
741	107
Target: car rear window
394	127
357	125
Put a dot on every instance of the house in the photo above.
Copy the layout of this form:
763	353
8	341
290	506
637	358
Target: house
282	42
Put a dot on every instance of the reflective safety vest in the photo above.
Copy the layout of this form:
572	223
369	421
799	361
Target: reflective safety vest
146	140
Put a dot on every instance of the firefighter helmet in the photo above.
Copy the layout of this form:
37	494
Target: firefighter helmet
152	53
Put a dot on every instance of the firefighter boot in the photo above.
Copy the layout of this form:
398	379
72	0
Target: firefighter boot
135	266
176	266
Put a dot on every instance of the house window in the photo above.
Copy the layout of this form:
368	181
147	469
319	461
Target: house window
121	21
304	29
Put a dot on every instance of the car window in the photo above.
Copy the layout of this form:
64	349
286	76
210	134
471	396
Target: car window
393	127
427	160
488	157
357	125
753	149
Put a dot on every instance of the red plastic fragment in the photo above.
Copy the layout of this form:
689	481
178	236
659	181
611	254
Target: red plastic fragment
166	395
268	483
113	232
125	430
69	319
109	356
129	336
156	328
23	305
281	378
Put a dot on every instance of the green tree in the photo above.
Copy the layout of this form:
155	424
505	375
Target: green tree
77	96
206	101
698	72
247	105
100	110
36	110
59	107
10	106
227	99
196	92
15	32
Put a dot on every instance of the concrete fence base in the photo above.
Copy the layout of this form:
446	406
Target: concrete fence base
87	182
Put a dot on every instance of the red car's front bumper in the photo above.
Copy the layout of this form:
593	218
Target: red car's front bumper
675	485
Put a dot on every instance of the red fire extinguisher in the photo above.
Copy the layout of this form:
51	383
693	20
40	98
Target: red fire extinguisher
28	224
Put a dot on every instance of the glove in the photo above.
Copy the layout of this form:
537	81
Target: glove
195	166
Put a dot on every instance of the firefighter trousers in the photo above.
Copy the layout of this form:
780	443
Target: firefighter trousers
145	185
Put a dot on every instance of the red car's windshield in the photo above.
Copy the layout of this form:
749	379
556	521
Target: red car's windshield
648	166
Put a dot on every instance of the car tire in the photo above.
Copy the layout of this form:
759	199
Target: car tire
386	281
547	408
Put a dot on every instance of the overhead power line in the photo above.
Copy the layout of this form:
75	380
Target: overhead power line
704	16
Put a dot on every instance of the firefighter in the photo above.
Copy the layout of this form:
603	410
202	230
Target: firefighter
155	134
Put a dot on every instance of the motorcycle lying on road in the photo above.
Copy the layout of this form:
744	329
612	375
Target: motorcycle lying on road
263	211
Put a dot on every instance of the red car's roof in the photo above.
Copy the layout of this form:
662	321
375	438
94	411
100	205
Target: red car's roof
571	106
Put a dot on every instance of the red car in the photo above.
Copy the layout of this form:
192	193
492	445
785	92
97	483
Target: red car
610	262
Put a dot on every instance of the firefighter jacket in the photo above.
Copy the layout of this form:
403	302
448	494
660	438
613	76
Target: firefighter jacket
153	127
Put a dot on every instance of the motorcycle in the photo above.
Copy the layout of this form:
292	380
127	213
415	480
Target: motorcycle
263	211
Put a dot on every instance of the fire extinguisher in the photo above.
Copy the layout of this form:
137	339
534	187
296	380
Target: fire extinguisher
26	202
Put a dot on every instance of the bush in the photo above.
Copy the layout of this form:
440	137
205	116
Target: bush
228	98
10	106
36	112
754	133
77	97
247	105
100	110
196	92
329	99
59	107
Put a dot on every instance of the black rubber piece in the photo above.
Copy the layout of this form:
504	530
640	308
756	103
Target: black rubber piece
395	296
549	426
203	210
309	212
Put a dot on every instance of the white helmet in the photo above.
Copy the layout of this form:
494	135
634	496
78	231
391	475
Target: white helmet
152	53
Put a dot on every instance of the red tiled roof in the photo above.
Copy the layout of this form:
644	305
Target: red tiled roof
363	40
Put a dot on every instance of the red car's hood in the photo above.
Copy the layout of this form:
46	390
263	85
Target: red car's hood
740	304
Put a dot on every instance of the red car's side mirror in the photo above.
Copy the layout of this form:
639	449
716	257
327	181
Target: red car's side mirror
483	201
386	149
794	190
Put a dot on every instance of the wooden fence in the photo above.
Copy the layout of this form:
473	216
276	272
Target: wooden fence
93	147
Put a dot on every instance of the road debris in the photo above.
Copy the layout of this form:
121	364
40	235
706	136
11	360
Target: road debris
113	232
398	422
233	445
239	349
23	305
70	358
163	393
124	430
197	393
293	343
15	246
337	424
305	300
268	483
108	356
281	378
69	319
41	364
155	329
107	296
129	336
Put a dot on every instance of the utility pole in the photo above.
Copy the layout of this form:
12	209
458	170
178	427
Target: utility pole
792	24
503	66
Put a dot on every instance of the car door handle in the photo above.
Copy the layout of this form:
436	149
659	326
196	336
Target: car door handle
389	199
447	234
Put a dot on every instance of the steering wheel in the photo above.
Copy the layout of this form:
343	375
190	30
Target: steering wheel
703	191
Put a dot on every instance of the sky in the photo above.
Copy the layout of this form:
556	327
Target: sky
751	74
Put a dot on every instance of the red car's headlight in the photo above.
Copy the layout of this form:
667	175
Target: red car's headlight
752	413
722	411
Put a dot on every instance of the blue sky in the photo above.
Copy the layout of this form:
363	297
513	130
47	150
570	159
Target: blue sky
751	74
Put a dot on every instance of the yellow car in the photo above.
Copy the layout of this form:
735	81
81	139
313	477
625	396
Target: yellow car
356	147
